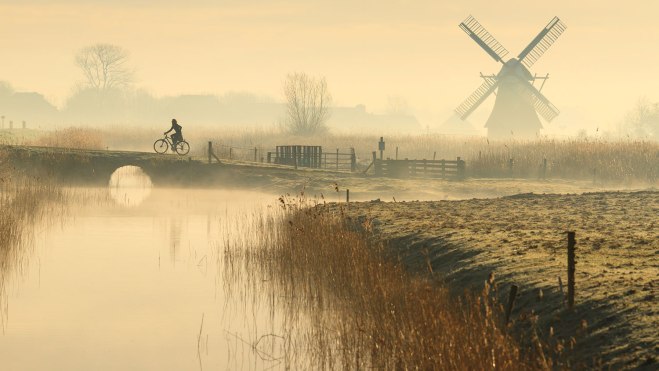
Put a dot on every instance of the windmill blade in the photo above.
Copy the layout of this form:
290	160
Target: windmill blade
542	42
477	97
542	105
484	38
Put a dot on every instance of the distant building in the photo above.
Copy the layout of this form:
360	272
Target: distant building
27	106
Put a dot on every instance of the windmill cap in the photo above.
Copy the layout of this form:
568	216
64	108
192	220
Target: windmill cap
515	68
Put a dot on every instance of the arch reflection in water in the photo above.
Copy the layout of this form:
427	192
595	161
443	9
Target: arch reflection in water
129	185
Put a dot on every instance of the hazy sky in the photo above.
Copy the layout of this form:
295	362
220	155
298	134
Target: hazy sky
368	50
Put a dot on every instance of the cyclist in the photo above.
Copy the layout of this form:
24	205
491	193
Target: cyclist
178	134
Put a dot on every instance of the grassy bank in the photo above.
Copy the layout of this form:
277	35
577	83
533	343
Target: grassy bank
365	309
521	240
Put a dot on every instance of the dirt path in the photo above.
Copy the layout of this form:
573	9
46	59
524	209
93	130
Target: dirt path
521	240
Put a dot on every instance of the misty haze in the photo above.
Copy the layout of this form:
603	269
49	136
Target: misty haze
340	185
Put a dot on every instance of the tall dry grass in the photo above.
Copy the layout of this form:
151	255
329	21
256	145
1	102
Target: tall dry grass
73	137
364	309
23	203
597	159
601	160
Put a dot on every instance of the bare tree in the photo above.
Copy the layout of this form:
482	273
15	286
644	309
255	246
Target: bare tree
307	104
397	105
643	120
104	66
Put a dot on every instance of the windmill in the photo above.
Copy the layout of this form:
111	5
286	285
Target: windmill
518	102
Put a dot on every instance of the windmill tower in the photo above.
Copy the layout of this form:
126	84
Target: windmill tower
518	102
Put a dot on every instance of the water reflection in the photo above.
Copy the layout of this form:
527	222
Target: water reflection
101	297
174	237
130	186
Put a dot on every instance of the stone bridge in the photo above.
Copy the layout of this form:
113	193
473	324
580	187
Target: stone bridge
94	167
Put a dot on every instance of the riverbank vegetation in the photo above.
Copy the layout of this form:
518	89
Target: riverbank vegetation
521	240
365	310
23	202
628	161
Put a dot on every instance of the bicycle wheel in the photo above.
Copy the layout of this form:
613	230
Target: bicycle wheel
182	148
160	146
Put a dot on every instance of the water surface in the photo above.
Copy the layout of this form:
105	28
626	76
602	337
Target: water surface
138	286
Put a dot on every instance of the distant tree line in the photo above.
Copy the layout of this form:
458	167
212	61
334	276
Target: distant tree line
106	95
642	121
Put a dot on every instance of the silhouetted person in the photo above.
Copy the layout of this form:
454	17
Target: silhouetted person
178	134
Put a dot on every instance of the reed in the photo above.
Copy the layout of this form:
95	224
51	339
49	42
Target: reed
602	160
23	202
72	137
608	160
365	310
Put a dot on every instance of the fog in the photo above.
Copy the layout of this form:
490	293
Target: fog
371	53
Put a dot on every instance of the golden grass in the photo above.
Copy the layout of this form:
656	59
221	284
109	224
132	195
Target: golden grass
615	160
599	160
365	310
73	137
22	202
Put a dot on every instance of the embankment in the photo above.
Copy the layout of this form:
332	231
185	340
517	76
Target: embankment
521	240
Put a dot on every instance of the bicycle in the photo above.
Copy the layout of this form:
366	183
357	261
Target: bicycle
162	145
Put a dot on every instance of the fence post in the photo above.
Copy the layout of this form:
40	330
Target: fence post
210	150
269	156
461	168
511	302
347	196
396	152
377	167
254	154
381	146
230	153
353	160
571	242
544	168
434	155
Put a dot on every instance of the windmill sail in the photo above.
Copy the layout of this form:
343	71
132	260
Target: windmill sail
484	38
542	42
541	104
477	97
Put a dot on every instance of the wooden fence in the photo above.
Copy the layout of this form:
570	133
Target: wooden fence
445	169
314	157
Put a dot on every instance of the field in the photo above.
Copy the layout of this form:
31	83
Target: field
502	225
521	240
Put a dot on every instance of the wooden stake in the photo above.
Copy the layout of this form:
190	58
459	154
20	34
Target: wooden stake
571	269
511	302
